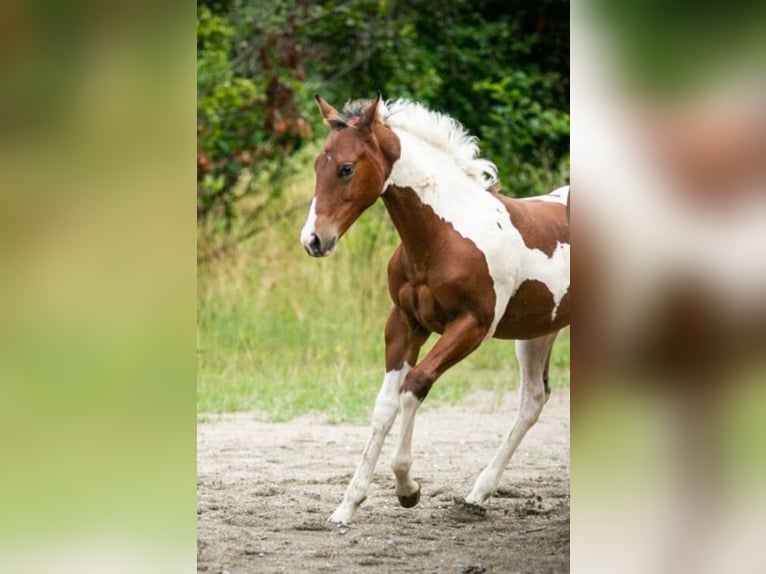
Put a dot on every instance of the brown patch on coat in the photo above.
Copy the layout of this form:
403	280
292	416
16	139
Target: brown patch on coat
542	224
529	312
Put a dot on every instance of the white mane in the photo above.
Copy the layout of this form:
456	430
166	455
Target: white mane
443	132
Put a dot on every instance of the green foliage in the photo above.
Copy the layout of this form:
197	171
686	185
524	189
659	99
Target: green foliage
502	73
250	92
517	126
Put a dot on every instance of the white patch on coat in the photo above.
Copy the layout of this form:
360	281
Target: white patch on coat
462	200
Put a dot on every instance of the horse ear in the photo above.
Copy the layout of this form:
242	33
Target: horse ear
370	114
330	114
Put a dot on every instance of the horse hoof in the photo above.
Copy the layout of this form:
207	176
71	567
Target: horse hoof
341	516
411	500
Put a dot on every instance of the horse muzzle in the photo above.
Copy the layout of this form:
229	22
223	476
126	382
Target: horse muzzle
316	247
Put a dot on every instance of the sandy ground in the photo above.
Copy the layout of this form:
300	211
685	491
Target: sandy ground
265	491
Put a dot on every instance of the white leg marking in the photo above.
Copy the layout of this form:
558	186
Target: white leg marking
402	459
531	355
383	415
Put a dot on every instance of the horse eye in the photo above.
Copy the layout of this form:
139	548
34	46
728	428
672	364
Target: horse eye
346	171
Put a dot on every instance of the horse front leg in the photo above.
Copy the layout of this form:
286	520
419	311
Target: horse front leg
460	338
403	344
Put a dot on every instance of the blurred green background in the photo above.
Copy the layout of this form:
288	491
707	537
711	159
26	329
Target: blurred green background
97	298
284	334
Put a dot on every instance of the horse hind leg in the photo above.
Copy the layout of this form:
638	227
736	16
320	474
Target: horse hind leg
533	356
545	372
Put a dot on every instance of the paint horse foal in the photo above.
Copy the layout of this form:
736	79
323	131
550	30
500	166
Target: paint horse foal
472	264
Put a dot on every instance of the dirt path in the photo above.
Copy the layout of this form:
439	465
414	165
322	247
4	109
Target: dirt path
264	493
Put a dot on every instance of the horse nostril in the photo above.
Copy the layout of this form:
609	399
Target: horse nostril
315	245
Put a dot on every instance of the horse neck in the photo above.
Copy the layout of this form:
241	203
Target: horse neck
408	216
425	189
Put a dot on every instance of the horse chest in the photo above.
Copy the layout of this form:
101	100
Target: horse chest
418	301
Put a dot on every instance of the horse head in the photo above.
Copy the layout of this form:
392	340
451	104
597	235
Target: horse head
351	169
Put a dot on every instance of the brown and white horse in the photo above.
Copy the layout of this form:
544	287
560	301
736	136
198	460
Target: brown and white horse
472	264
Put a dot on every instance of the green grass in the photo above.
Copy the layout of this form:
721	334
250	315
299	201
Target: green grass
285	334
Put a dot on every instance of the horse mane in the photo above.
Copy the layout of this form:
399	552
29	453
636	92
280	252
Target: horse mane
436	129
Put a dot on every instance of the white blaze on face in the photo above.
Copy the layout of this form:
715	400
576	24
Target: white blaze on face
310	226
441	184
